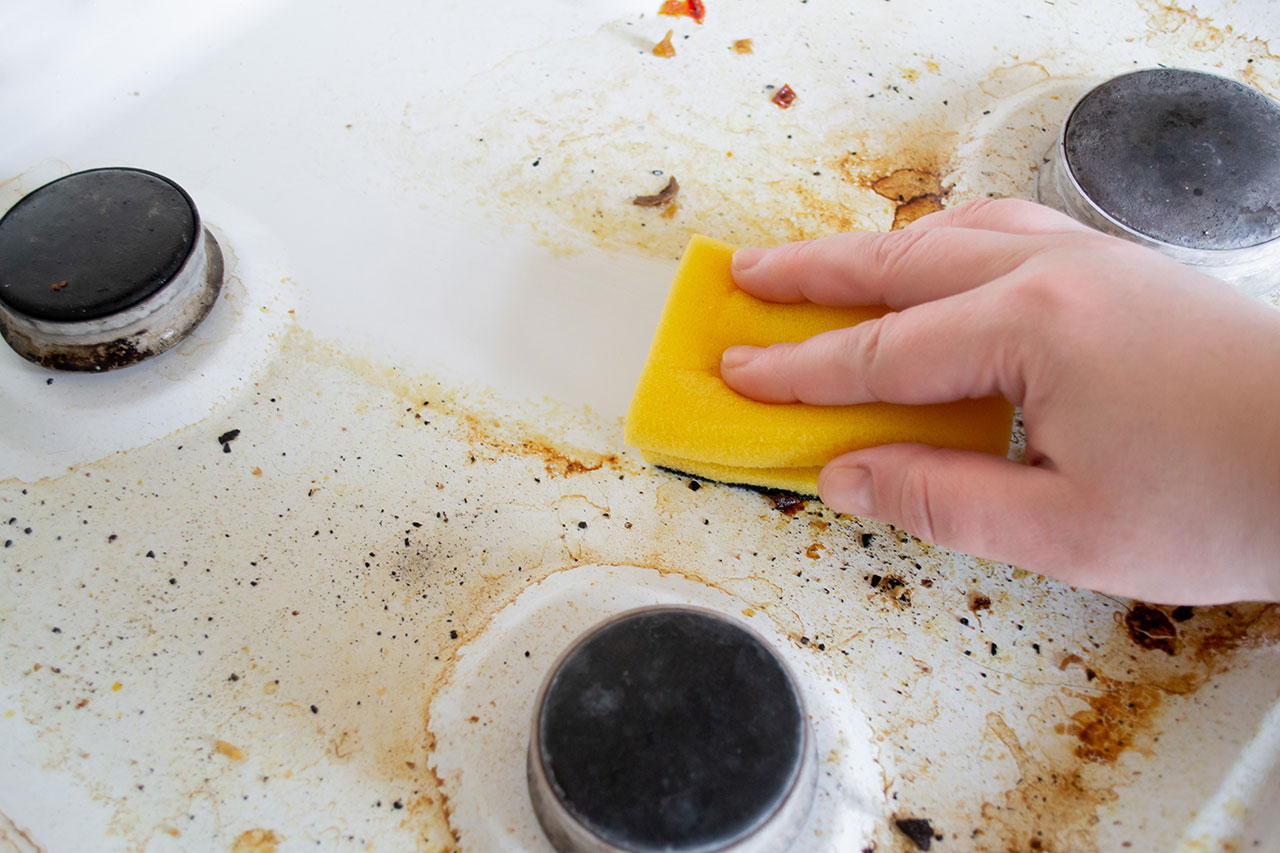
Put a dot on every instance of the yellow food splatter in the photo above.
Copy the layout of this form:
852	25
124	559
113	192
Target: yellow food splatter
255	841
229	750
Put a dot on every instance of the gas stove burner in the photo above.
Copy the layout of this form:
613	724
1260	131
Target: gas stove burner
1182	161
104	268
671	729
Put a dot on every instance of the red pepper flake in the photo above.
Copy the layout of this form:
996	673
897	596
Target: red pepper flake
58	286
664	48
784	97
693	8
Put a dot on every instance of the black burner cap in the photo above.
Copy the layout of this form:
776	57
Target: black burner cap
94	243
1184	157
671	729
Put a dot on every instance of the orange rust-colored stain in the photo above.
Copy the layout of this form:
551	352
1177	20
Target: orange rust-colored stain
812	552
979	602
743	46
915	193
558	461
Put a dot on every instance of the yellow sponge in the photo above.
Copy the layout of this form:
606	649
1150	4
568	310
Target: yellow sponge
683	416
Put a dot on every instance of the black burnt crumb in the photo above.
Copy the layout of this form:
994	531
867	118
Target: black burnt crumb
173	581
804	641
453	635
582	525
57	630
866	539
397	805
526	654
875	580
1182	614
151	554
1036	646
226	438
110	538
964	620
694	485
233	677
994	649
8	543
315	710
917	829
967	652
27	530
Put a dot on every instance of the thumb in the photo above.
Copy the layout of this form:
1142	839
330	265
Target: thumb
977	503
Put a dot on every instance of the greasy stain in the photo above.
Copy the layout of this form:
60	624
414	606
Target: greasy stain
914	193
1052	808
1069	775
1118	716
1151	628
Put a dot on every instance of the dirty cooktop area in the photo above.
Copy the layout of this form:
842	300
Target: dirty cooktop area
295	582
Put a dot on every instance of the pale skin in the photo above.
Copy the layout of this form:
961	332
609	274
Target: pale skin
1150	396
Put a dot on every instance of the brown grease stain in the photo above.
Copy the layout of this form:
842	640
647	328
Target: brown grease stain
915	193
1054	804
486	436
1151	628
1052	808
1118	717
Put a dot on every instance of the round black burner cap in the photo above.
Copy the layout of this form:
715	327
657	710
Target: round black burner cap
671	729
94	243
1187	158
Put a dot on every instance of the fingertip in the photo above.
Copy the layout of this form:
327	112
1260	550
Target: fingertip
847	487
745	259
737	357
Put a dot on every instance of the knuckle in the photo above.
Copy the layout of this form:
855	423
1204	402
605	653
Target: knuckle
915	509
871	352
891	252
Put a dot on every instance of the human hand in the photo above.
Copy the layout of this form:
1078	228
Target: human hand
1150	397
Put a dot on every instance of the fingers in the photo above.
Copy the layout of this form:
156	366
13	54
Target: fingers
972	502
1009	215
940	255
952	349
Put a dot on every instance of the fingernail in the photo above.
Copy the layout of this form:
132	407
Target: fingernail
735	357
848	490
745	259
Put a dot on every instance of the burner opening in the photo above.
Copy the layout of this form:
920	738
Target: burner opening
104	268
667	729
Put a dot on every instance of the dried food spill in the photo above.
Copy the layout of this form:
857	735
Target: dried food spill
320	553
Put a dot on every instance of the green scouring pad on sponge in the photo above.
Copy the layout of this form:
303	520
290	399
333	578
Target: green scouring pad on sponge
683	416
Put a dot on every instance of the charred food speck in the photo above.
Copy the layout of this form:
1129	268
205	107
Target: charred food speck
918	829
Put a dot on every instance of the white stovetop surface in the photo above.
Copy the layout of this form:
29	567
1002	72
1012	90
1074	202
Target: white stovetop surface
438	298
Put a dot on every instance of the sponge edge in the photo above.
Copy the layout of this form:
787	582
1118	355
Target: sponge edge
683	416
